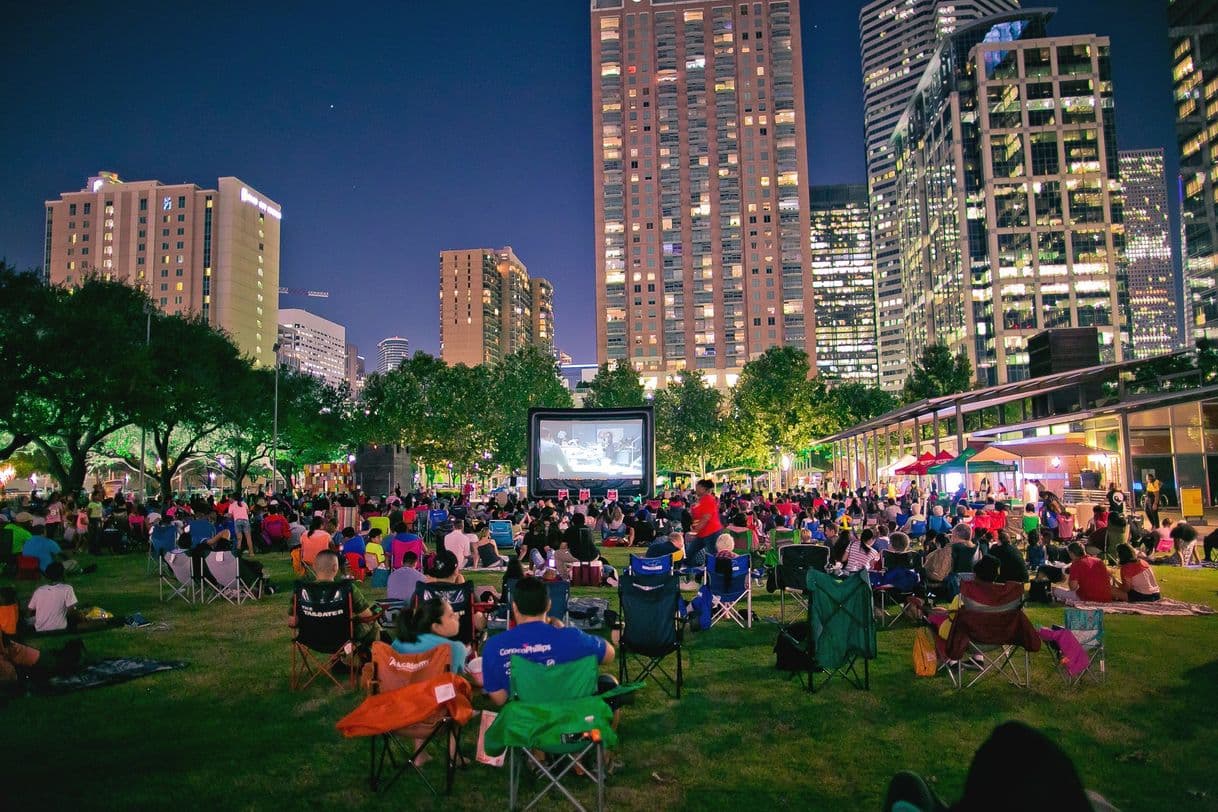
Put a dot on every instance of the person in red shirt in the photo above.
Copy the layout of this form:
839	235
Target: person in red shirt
1088	577
707	525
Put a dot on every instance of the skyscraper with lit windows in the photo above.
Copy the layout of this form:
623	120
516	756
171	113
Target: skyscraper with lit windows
843	274
1193	31
1153	326
701	188
897	39
1008	194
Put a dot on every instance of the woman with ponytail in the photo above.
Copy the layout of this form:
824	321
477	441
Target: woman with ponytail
425	626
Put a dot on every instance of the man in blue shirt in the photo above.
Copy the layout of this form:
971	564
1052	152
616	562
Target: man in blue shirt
202	530
537	638
46	551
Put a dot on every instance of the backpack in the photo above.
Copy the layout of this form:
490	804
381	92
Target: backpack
789	651
925	659
938	564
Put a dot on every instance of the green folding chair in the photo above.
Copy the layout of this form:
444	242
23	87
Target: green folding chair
554	709
841	622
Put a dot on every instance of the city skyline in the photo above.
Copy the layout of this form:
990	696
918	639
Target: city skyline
351	150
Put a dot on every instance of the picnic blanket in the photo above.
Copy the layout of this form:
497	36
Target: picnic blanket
1164	607
111	672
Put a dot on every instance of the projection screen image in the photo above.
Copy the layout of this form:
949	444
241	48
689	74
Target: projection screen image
602	449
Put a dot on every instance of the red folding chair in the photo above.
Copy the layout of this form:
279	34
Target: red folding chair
28	568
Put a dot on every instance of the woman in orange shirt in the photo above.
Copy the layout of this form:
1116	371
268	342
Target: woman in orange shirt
706	525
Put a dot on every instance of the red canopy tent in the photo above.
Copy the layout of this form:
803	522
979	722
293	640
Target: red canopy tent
918	468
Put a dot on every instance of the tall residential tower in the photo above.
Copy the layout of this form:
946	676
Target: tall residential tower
391	352
701	185
490	307
897	39
209	252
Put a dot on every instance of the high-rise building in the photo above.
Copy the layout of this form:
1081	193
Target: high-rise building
391	352
355	370
897	39
490	307
701	185
1153	326
1193	29
1008	195
517	295
209	252
313	345
543	311
843	274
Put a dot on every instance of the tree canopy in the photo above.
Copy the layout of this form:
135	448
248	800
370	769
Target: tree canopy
615	385
937	372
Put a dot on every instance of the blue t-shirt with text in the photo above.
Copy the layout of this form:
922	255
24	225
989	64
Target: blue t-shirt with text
536	641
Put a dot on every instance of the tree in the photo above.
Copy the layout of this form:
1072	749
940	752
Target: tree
401	405
774	407
848	404
690	424
196	383
938	373
526	379
246	440
615	385
25	307
90	373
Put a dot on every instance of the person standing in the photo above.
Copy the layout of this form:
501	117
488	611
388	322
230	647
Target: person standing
239	512
1153	489
706	524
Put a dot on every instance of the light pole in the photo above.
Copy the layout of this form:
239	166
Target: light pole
143	429
275	424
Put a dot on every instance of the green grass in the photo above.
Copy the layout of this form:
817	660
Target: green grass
227	733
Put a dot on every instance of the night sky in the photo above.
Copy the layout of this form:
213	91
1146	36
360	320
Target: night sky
390	131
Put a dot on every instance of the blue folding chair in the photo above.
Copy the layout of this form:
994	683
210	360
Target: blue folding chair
641	565
730	582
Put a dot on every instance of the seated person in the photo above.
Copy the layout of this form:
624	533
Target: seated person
486	552
673	544
404	579
562	561
1138	582
1087	577
986	575
249	571
429	624
860	554
579	540
539	638
19	662
1011	565
353	543
1184	535
374	552
315	541
47	551
457	542
325	568
53	605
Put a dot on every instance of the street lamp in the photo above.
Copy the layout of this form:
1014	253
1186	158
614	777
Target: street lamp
275	428
143	430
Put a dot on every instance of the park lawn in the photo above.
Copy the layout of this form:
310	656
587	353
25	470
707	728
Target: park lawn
226	733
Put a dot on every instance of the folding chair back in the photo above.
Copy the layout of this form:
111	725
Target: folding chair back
731	582
392	670
660	565
742	540
225	573
381	523
652	627
27	568
794	561
991	623
841	621
1087	626
354	567
560	597
182	584
324	616
785	535
545	683
460	597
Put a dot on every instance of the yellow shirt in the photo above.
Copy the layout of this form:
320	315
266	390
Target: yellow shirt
1153	487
